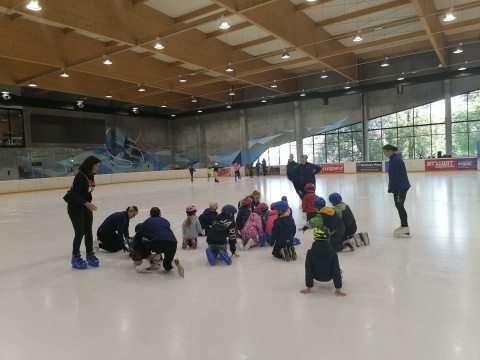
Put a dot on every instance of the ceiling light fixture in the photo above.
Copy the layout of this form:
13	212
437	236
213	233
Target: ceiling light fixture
303	93
274	85
164	105
224	24
285	55
80	104
158	45
173	115
459	49
106	60
6	95
199	110
401	77
358	37
263	99
182	79
141	88
324	74
109	95
231	93
64	74
229	106
311	0
463	67
229	68
385	62
32	83
347	86
194	99
449	15
34	5
135	110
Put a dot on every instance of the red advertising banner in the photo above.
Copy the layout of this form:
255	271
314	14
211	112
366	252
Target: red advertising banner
440	164
333	168
224	172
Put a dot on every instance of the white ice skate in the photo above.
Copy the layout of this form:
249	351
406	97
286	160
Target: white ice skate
96	245
350	243
365	238
358	240
180	269
144	267
248	245
402	231
240	245
155	261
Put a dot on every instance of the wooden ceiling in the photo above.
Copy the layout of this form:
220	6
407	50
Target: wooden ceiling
75	35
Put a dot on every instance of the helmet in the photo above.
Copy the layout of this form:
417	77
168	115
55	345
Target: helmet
263	206
257	211
191	208
247	201
321	233
229	209
272	206
281	205
216	164
309	186
335	198
319	202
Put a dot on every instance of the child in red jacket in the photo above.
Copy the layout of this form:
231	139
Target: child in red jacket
307	201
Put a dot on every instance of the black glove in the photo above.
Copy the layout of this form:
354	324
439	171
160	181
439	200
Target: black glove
390	191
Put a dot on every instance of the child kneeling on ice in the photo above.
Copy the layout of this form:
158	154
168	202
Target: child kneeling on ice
252	232
283	233
223	227
322	263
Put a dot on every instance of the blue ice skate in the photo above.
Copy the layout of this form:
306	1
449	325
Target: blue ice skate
296	241
92	259
78	262
225	257
211	256
264	239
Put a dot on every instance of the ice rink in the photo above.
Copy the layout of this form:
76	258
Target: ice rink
407	298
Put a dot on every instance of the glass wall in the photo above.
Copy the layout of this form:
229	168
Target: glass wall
11	128
465	124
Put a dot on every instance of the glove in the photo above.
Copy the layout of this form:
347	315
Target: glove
390	191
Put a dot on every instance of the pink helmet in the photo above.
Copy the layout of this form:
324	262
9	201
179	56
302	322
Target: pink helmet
191	208
263	206
272	206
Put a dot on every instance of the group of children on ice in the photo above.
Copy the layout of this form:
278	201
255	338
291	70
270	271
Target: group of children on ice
255	224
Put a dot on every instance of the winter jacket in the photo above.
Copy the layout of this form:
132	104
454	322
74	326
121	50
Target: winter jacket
397	174
223	228
158	228
306	172
283	231
242	216
307	202
290	174
81	191
116	223
328	217
272	216
322	264
193	231
347	215
207	218
253	227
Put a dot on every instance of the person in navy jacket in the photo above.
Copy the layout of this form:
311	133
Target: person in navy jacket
306	172
398	185
113	232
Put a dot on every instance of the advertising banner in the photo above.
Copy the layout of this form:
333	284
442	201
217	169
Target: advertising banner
440	164
371	166
333	168
467	164
224	172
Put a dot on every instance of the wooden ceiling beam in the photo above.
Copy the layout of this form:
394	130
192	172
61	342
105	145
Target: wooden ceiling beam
197	13
363	12
423	8
254	43
383	26
307	5
231	29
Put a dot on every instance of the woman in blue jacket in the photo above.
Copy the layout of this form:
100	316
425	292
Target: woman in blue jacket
113	232
398	185
306	172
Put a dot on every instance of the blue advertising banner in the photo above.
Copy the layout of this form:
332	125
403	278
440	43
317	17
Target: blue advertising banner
467	164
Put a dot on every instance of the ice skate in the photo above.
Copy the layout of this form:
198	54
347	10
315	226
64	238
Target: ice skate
211	256
194	244
180	269
223	254
144	267
248	245
402	231
96	245
349	244
264	239
184	244
240	245
155	261
365	238
77	262
293	253
285	254
92	259
358	240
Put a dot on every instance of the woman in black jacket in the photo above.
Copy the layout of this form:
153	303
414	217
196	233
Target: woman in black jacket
80	210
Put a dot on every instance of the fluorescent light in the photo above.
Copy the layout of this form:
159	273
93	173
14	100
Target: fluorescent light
449	15
109	95
229	68
458	50
34	6
32	83
224	24
358	37
285	55
324	74
106	60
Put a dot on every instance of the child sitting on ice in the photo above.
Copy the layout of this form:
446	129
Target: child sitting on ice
252	232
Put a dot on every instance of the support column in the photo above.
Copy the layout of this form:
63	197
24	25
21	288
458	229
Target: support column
244	141
448	116
172	144
366	147
298	130
201	143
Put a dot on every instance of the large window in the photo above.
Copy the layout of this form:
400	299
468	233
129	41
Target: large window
466	124
11	128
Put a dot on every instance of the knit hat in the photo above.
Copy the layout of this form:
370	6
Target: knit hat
322	233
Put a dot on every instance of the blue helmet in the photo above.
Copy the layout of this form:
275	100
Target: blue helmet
281	205
335	198
229	209
319	202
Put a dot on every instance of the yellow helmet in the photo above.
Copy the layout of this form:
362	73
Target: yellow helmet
322	233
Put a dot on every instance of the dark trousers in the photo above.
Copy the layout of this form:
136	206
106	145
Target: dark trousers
143	248
349	230
399	197
82	220
109	242
237	175
336	239
298	189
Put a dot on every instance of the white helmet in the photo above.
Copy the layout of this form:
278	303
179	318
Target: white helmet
216	164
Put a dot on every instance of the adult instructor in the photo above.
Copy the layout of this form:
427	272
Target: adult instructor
306	172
